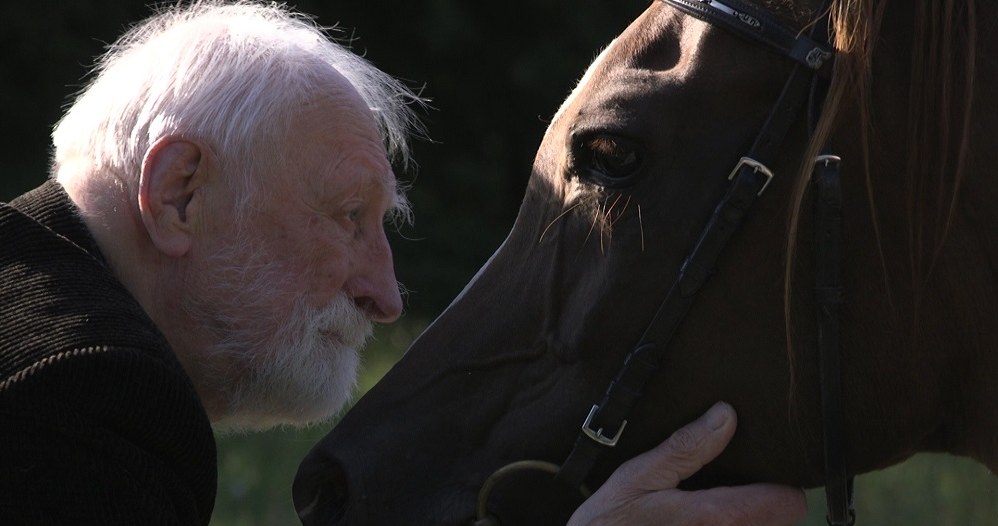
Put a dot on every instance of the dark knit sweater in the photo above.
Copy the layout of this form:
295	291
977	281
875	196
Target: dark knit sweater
98	422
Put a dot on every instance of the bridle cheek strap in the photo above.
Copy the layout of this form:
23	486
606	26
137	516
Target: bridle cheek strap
829	296
607	419
749	179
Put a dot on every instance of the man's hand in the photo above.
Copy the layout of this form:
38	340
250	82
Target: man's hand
643	490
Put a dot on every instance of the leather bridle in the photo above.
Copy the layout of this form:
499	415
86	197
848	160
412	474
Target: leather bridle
803	89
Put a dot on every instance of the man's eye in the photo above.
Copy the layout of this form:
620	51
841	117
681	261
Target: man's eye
353	212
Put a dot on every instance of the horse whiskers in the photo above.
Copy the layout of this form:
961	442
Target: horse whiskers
641	228
608	219
555	220
603	227
603	216
596	217
621	214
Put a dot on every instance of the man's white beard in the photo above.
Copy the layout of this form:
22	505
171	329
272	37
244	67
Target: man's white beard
274	360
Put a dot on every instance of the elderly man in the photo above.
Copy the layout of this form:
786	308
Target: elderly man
211	252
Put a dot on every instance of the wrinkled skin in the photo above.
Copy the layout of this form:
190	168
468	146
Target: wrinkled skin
511	368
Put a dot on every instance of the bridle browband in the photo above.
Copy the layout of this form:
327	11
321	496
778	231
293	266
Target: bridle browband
805	86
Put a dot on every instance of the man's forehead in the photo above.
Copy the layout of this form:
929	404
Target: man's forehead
363	175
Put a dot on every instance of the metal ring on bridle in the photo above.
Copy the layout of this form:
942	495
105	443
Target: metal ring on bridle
481	512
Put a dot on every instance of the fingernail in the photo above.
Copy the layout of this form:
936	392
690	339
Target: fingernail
718	415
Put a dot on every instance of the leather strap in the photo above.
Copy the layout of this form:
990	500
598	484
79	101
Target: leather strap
829	296
752	23
607	419
749	179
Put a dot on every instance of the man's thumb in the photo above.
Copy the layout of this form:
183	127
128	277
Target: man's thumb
687	450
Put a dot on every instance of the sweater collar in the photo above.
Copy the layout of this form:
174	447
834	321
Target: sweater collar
50	205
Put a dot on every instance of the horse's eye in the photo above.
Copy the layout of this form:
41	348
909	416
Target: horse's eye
606	159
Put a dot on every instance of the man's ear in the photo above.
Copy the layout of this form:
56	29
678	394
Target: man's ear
173	172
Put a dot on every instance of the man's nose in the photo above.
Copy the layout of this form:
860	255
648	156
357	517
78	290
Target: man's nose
374	288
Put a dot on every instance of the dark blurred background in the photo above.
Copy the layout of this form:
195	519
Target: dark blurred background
495	72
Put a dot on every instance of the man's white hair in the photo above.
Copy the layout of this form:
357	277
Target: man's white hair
226	73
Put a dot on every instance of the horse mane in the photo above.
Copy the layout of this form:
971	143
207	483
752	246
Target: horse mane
940	106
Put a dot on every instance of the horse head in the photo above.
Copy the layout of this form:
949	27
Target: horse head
628	173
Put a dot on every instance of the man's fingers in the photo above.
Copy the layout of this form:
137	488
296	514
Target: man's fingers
698	443
642	490
752	505
755	504
683	453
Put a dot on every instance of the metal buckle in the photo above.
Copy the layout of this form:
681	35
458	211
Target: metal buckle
827	159
817	57
597	435
744	18
758	167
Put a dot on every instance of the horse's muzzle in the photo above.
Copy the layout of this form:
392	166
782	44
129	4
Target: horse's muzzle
320	491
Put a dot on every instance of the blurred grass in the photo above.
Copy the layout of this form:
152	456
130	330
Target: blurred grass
256	471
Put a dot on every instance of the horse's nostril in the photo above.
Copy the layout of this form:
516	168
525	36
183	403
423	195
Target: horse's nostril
321	492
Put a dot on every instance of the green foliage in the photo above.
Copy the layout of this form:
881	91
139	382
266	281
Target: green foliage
255	475
926	490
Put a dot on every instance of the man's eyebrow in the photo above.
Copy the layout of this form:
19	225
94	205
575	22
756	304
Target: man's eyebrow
400	210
